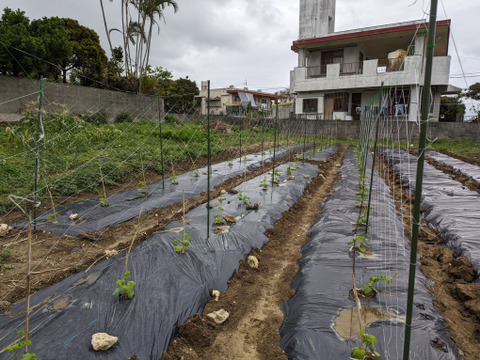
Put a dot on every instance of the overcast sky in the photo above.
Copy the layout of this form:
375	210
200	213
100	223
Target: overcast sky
248	41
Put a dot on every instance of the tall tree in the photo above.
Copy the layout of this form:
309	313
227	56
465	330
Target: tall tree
451	108
16	43
138	18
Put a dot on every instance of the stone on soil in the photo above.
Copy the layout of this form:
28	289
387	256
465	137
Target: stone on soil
219	316
252	262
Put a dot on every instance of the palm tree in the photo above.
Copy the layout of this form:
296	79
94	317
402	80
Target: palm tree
137	33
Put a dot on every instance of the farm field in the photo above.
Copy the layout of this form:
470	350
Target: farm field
308	211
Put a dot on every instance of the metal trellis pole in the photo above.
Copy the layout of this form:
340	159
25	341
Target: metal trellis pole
419	180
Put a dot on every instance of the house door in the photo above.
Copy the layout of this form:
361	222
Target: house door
356	103
328	108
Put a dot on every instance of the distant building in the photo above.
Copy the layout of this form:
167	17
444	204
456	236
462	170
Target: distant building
232	101
339	73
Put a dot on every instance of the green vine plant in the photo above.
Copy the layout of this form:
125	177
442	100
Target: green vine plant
276	176
289	170
143	183
104	202
143	187
125	287
369	286
195	172
219	220
360	241
18	345
181	245
367	351
173	179
244	198
264	183
52	217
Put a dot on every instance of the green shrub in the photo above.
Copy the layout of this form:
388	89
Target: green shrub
171	119
124	117
99	117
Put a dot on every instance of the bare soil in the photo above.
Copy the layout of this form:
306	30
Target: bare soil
254	296
452	276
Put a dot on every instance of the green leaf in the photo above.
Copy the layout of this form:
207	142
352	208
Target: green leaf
358	352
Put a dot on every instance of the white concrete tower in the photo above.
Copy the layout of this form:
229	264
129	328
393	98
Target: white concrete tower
317	18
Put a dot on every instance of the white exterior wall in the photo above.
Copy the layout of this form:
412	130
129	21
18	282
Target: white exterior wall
317	18
413	74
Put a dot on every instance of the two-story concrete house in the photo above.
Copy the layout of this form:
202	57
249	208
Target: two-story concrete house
233	101
338	73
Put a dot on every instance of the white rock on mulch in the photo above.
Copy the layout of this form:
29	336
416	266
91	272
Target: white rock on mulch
103	341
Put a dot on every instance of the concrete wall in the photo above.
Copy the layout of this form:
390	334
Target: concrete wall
16	93
317	18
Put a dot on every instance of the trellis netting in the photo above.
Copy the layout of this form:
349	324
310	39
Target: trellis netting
169	287
313	328
126	205
449	206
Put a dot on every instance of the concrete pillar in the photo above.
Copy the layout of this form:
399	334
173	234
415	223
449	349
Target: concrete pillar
414	106
317	18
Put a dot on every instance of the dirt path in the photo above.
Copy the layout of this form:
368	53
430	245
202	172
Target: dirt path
458	298
254	296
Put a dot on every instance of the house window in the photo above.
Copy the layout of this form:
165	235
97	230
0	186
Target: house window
264	104
340	101
310	105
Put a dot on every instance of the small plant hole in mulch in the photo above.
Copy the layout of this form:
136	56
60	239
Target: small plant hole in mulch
346	323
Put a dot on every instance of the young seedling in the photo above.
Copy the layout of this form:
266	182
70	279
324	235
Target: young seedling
104	202
230	163
173	179
143	184
276	176
18	345
264	183
219	220
368	352
289	170
125	287
143	187
53	215
244	198
369	286
181	245
360	243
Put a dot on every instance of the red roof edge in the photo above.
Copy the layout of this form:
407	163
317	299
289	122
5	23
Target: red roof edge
365	33
236	91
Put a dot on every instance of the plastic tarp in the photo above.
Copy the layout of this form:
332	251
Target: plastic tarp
449	206
246	98
169	287
459	166
323	283
126	205
323	155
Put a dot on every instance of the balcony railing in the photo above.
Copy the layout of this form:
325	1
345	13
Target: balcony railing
356	68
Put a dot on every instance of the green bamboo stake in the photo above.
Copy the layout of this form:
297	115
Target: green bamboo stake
161	143
304	138
419	179
373	162
209	160
37	153
275	140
